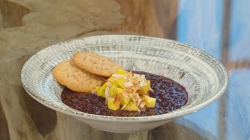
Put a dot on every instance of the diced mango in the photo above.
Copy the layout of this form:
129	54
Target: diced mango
97	89
119	90
111	79
145	89
111	104
120	82
101	91
122	72
116	98
150	102
131	106
125	101
114	90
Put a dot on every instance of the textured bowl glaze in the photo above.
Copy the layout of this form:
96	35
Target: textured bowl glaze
204	78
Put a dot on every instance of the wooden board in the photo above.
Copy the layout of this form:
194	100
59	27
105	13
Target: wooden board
28	26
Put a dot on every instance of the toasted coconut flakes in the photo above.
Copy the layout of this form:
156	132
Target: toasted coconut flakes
130	74
134	88
119	75
129	95
139	101
136	75
123	107
139	110
116	78
142	83
128	84
125	95
143	97
129	90
107	92
134	81
142	77
137	95
109	84
142	105
125	90
150	89
93	91
134	99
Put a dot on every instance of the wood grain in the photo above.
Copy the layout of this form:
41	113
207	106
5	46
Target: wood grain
149	17
1	20
176	131
12	14
46	25
166	12
4	132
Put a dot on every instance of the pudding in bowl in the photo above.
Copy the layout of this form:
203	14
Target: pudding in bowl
169	96
202	77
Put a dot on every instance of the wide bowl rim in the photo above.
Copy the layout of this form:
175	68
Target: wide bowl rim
162	117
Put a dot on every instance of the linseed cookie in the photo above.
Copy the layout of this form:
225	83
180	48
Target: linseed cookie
95	63
74	78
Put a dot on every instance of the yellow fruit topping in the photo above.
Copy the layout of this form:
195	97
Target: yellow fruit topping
126	91
111	104
101	91
150	102
131	106
119	82
122	72
125	101
144	89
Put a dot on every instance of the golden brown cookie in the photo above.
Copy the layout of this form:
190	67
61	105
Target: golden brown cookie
74	78
95	63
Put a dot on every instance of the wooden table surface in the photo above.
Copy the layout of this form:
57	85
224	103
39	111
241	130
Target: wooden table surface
219	27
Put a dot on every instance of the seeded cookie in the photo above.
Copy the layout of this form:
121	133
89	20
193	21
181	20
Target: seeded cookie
95	63
74	78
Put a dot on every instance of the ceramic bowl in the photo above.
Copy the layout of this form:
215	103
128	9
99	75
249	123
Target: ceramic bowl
204	78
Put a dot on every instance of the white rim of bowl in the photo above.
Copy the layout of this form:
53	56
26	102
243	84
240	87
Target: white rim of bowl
171	115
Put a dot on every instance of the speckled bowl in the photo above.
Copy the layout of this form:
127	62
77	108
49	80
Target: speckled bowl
204	78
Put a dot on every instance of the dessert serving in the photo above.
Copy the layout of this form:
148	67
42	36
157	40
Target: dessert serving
96	84
124	83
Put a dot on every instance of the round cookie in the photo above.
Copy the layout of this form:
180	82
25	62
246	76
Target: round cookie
74	78
95	63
